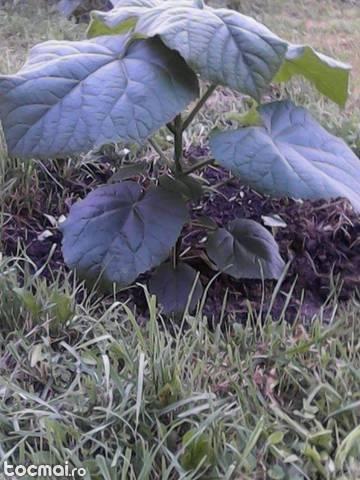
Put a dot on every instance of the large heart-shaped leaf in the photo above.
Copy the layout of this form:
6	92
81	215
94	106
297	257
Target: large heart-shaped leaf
117	232
118	21
173	286
223	46
245	250
72	96
124	18
291	154
329	76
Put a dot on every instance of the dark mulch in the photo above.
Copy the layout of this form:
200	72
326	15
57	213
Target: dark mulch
322	239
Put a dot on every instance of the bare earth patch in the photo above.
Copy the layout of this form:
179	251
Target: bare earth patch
321	241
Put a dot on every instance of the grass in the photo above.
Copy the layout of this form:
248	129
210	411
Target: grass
87	380
84	383
333	28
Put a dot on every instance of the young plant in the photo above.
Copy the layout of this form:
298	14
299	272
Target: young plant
137	72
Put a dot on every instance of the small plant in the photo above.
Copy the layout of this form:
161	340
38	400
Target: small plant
138	71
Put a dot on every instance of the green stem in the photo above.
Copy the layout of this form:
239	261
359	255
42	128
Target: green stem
158	150
175	253
178	144
197	166
177	128
171	128
198	106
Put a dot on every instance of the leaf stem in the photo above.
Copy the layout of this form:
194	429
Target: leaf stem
197	166
178	144
198	106
175	253
170	127
158	150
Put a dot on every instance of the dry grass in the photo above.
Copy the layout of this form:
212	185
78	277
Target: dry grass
331	26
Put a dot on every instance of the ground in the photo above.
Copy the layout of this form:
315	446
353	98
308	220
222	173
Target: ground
106	379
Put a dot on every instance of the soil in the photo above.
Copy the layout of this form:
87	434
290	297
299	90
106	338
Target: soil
321	239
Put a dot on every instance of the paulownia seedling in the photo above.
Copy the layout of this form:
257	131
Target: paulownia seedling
139	71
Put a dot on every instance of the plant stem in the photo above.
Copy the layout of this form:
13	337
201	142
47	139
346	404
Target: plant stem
158	150
197	166
198	106
175	251
178	155
170	127
178	144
